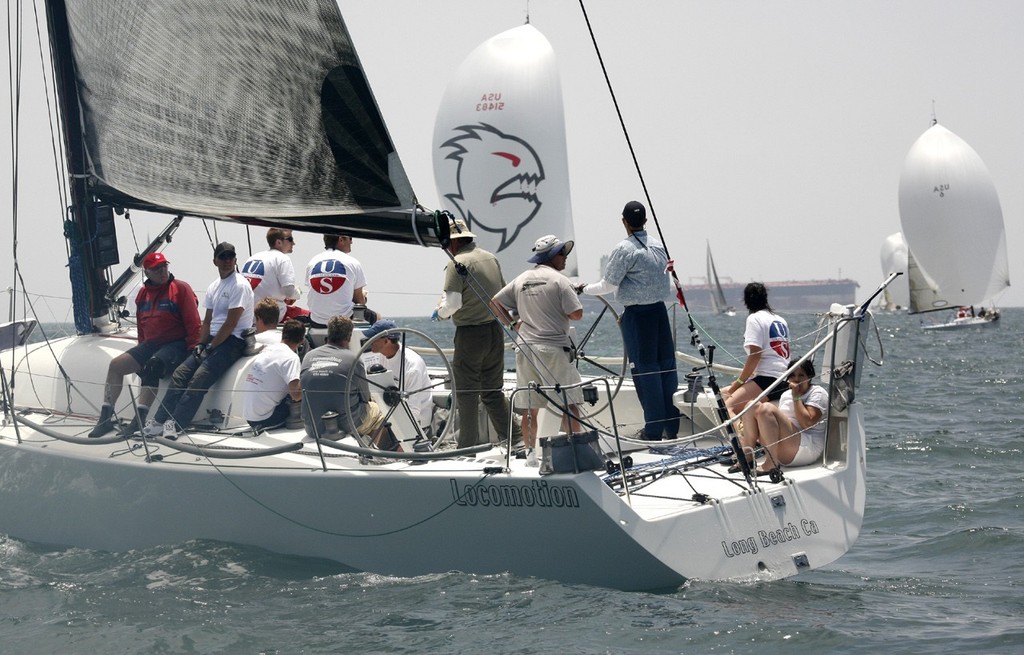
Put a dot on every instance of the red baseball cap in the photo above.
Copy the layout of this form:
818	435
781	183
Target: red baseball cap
154	259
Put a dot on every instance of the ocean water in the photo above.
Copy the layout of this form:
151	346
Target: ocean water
938	568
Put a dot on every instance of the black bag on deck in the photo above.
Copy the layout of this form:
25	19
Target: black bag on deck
572	453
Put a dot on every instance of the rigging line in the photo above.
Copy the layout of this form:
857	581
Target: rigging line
331	533
56	144
14	51
694	334
636	163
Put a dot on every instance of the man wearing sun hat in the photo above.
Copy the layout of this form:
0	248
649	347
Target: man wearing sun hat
168	327
637	273
471	279
546	302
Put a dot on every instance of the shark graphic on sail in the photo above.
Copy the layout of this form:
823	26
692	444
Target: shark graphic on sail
500	160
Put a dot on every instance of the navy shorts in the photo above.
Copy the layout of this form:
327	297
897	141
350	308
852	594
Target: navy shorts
157	359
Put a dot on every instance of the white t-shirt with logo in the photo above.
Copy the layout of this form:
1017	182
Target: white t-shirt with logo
332	277
269	272
770	333
266	383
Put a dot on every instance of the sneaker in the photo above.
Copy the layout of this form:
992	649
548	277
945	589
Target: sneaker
531	457
106	422
170	430
152	429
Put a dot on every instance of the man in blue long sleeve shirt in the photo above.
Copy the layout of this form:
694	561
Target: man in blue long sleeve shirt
636	273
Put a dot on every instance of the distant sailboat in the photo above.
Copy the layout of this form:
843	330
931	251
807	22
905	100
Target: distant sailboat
718	302
953	225
894	260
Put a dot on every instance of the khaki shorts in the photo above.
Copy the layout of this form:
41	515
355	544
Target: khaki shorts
556	366
372	421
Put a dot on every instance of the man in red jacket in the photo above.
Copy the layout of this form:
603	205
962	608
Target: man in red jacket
168	324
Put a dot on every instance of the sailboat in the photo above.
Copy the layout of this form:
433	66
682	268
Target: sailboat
718	302
953	225
141	131
893	257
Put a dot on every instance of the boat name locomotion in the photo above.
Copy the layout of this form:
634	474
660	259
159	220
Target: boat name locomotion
767	538
538	494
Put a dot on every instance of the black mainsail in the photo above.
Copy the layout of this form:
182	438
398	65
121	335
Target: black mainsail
257	113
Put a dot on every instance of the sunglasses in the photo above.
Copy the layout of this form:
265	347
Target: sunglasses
292	239
226	256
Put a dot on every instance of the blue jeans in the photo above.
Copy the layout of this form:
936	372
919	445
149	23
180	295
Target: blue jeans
652	363
276	419
193	378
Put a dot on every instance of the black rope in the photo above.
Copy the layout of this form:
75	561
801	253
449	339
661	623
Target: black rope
694	335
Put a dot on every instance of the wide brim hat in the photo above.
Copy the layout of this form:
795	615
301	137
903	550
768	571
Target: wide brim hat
549	246
458	229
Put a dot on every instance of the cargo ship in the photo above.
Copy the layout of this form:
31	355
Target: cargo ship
791	295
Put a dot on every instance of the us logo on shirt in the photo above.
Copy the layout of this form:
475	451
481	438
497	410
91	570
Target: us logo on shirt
253	271
778	338
327	276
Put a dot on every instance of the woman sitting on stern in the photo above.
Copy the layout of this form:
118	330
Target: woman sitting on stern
793	434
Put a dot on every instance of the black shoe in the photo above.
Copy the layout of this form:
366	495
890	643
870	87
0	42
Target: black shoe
135	425
105	424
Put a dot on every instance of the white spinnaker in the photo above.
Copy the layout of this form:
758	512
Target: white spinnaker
500	158
952	221
894	260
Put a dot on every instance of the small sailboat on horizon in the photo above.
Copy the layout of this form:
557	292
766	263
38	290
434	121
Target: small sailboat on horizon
718	303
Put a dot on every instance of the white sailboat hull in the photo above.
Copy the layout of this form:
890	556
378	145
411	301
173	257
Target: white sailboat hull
479	515
966	322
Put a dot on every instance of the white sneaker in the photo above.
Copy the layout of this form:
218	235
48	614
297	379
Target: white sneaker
531	457
152	429
170	429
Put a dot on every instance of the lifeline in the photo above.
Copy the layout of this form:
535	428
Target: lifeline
538	494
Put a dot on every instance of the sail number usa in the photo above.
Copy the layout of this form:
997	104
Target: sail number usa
490	102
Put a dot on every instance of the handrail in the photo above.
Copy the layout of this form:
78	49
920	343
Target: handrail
54	434
224	453
437	455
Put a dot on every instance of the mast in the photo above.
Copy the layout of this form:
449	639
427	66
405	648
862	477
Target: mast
88	227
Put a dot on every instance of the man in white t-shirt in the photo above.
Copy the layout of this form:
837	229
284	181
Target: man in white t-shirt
414	379
229	313
271	273
336	281
273	380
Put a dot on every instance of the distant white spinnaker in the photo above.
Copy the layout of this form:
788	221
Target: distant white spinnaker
499	148
894	260
952	223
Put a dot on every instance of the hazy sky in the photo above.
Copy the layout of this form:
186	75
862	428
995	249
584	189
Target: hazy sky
775	130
